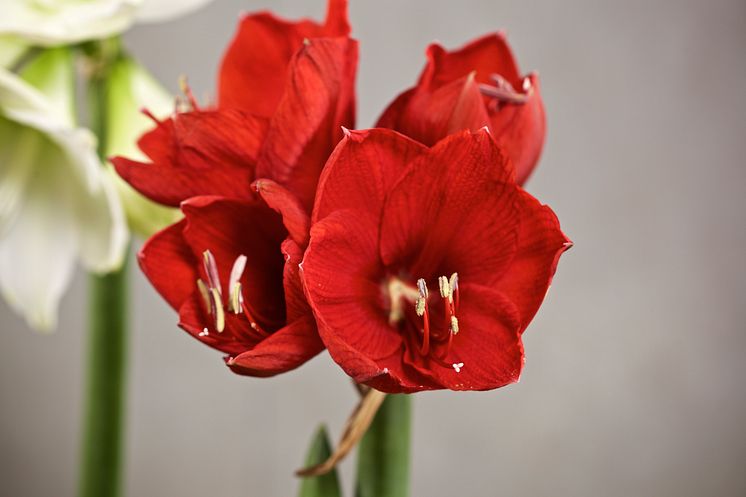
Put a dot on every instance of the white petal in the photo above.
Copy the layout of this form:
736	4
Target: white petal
37	251
10	50
163	10
54	22
60	202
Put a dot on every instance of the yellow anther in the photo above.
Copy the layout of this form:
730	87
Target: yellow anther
205	294
219	311
420	307
454	324
445	287
234	304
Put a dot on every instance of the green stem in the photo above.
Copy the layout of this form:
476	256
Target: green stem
383	454
101	464
104	418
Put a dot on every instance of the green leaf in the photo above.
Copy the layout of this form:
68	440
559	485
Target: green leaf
325	485
383	454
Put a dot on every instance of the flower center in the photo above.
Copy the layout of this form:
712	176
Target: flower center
403	294
502	92
212	293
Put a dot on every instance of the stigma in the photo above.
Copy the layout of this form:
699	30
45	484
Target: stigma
501	91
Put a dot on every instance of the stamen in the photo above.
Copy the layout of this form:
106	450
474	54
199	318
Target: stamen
211	269
239	265
420	307
445	287
422	287
421	310
219	312
454	325
454	291
234	284
187	91
252	321
236	299
205	294
425	334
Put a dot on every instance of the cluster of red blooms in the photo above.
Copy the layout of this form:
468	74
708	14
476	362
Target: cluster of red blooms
409	251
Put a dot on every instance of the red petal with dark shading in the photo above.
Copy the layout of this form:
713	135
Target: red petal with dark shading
230	228
294	216
295	299
317	101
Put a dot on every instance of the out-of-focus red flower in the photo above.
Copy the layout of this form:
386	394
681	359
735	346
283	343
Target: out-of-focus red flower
425	265
245	175
469	88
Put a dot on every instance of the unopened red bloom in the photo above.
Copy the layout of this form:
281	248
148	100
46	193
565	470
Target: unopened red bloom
245	175
475	86
425	265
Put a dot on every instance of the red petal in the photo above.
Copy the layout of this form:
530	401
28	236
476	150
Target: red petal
317	101
197	153
393	116
230	228
520	130
169	264
454	210
253	73
487	55
343	281
293	214
362	169
540	244
295	298
430	116
487	349
285	349
340	274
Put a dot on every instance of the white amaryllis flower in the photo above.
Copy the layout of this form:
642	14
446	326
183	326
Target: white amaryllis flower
57	203
56	22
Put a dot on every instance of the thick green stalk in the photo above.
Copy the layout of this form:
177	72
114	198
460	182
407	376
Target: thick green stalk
383	454
102	453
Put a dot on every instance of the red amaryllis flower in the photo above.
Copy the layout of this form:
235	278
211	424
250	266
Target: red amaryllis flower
478	85
425	265
230	268
231	271
285	91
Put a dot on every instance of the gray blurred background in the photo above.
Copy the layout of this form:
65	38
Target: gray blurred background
635	372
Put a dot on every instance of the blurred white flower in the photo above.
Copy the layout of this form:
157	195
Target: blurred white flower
131	88
55	22
57	203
